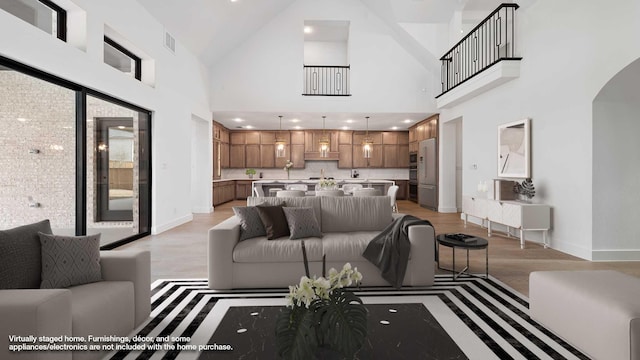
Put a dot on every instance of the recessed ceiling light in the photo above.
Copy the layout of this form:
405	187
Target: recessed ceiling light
234	0
21	119
394	128
297	127
248	127
345	128
295	120
308	29
238	120
349	121
407	121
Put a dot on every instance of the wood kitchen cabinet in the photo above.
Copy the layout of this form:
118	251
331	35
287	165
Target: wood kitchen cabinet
267	156
223	191
345	156
252	156
216	159
237	156
297	156
243	189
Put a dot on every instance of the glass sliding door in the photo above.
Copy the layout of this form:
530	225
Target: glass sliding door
82	161
117	170
37	152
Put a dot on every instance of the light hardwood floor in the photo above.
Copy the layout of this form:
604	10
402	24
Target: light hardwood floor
182	252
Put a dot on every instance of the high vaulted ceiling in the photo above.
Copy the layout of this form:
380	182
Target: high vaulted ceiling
212	28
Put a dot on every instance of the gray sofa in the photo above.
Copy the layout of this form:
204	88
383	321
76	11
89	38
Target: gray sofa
114	306
347	224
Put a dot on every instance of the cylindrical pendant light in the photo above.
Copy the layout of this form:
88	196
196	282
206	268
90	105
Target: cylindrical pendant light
280	143
367	142
324	142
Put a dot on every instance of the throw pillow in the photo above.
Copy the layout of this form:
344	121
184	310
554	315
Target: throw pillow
302	222
69	260
20	260
274	221
250	223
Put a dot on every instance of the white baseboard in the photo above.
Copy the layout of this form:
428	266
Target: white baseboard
447	210
202	210
615	255
170	225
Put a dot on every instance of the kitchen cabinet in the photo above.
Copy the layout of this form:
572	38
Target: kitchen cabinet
267	137
390	156
297	138
345	137
236	156
217	173
223	191
403	189
243	189
267	156
252	156
297	156
224	155
345	156
238	138
252	137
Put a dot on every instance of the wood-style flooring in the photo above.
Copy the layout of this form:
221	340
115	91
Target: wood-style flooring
182	252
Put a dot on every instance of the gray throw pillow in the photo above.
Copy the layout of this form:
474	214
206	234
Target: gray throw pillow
250	223
70	260
302	222
20	260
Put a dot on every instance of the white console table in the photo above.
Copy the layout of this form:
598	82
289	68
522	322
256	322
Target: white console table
514	214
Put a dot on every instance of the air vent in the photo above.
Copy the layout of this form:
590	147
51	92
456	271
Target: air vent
169	42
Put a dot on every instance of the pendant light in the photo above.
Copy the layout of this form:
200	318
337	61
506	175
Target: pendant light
280	143
367	143
324	142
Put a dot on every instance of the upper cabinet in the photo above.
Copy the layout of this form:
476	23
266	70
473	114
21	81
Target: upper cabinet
256	149
426	129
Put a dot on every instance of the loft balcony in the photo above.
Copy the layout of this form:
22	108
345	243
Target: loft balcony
323	80
485	58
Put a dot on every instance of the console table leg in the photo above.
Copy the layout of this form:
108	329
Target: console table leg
521	238
465	219
544	238
489	228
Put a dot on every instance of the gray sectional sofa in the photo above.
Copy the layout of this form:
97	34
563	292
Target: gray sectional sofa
114	306
347	225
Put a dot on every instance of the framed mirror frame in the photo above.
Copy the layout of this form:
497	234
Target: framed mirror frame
514	149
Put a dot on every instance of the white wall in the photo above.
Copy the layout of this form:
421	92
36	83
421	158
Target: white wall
326	53
265	72
616	167
180	90
201	165
566	61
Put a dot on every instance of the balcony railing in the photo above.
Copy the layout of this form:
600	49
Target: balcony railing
322	80
491	41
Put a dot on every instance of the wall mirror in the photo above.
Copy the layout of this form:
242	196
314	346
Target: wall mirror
514	155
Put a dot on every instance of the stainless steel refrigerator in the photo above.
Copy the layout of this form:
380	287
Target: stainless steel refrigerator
428	174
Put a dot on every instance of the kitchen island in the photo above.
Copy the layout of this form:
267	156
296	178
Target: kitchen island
381	185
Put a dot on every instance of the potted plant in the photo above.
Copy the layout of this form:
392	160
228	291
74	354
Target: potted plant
322	316
250	172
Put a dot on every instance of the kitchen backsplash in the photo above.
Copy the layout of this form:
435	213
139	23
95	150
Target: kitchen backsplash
313	169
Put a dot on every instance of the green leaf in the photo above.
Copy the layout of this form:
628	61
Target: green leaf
343	321
296	333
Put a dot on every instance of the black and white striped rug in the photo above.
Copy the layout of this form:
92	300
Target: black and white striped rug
485	318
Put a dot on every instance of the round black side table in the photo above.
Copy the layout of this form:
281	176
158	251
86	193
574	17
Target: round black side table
477	244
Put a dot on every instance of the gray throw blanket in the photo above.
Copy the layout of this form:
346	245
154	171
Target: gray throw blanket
389	250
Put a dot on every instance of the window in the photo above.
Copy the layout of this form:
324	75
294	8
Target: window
122	59
42	14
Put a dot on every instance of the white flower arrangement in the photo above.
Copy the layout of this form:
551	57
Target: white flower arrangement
320	288
325	183
288	165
